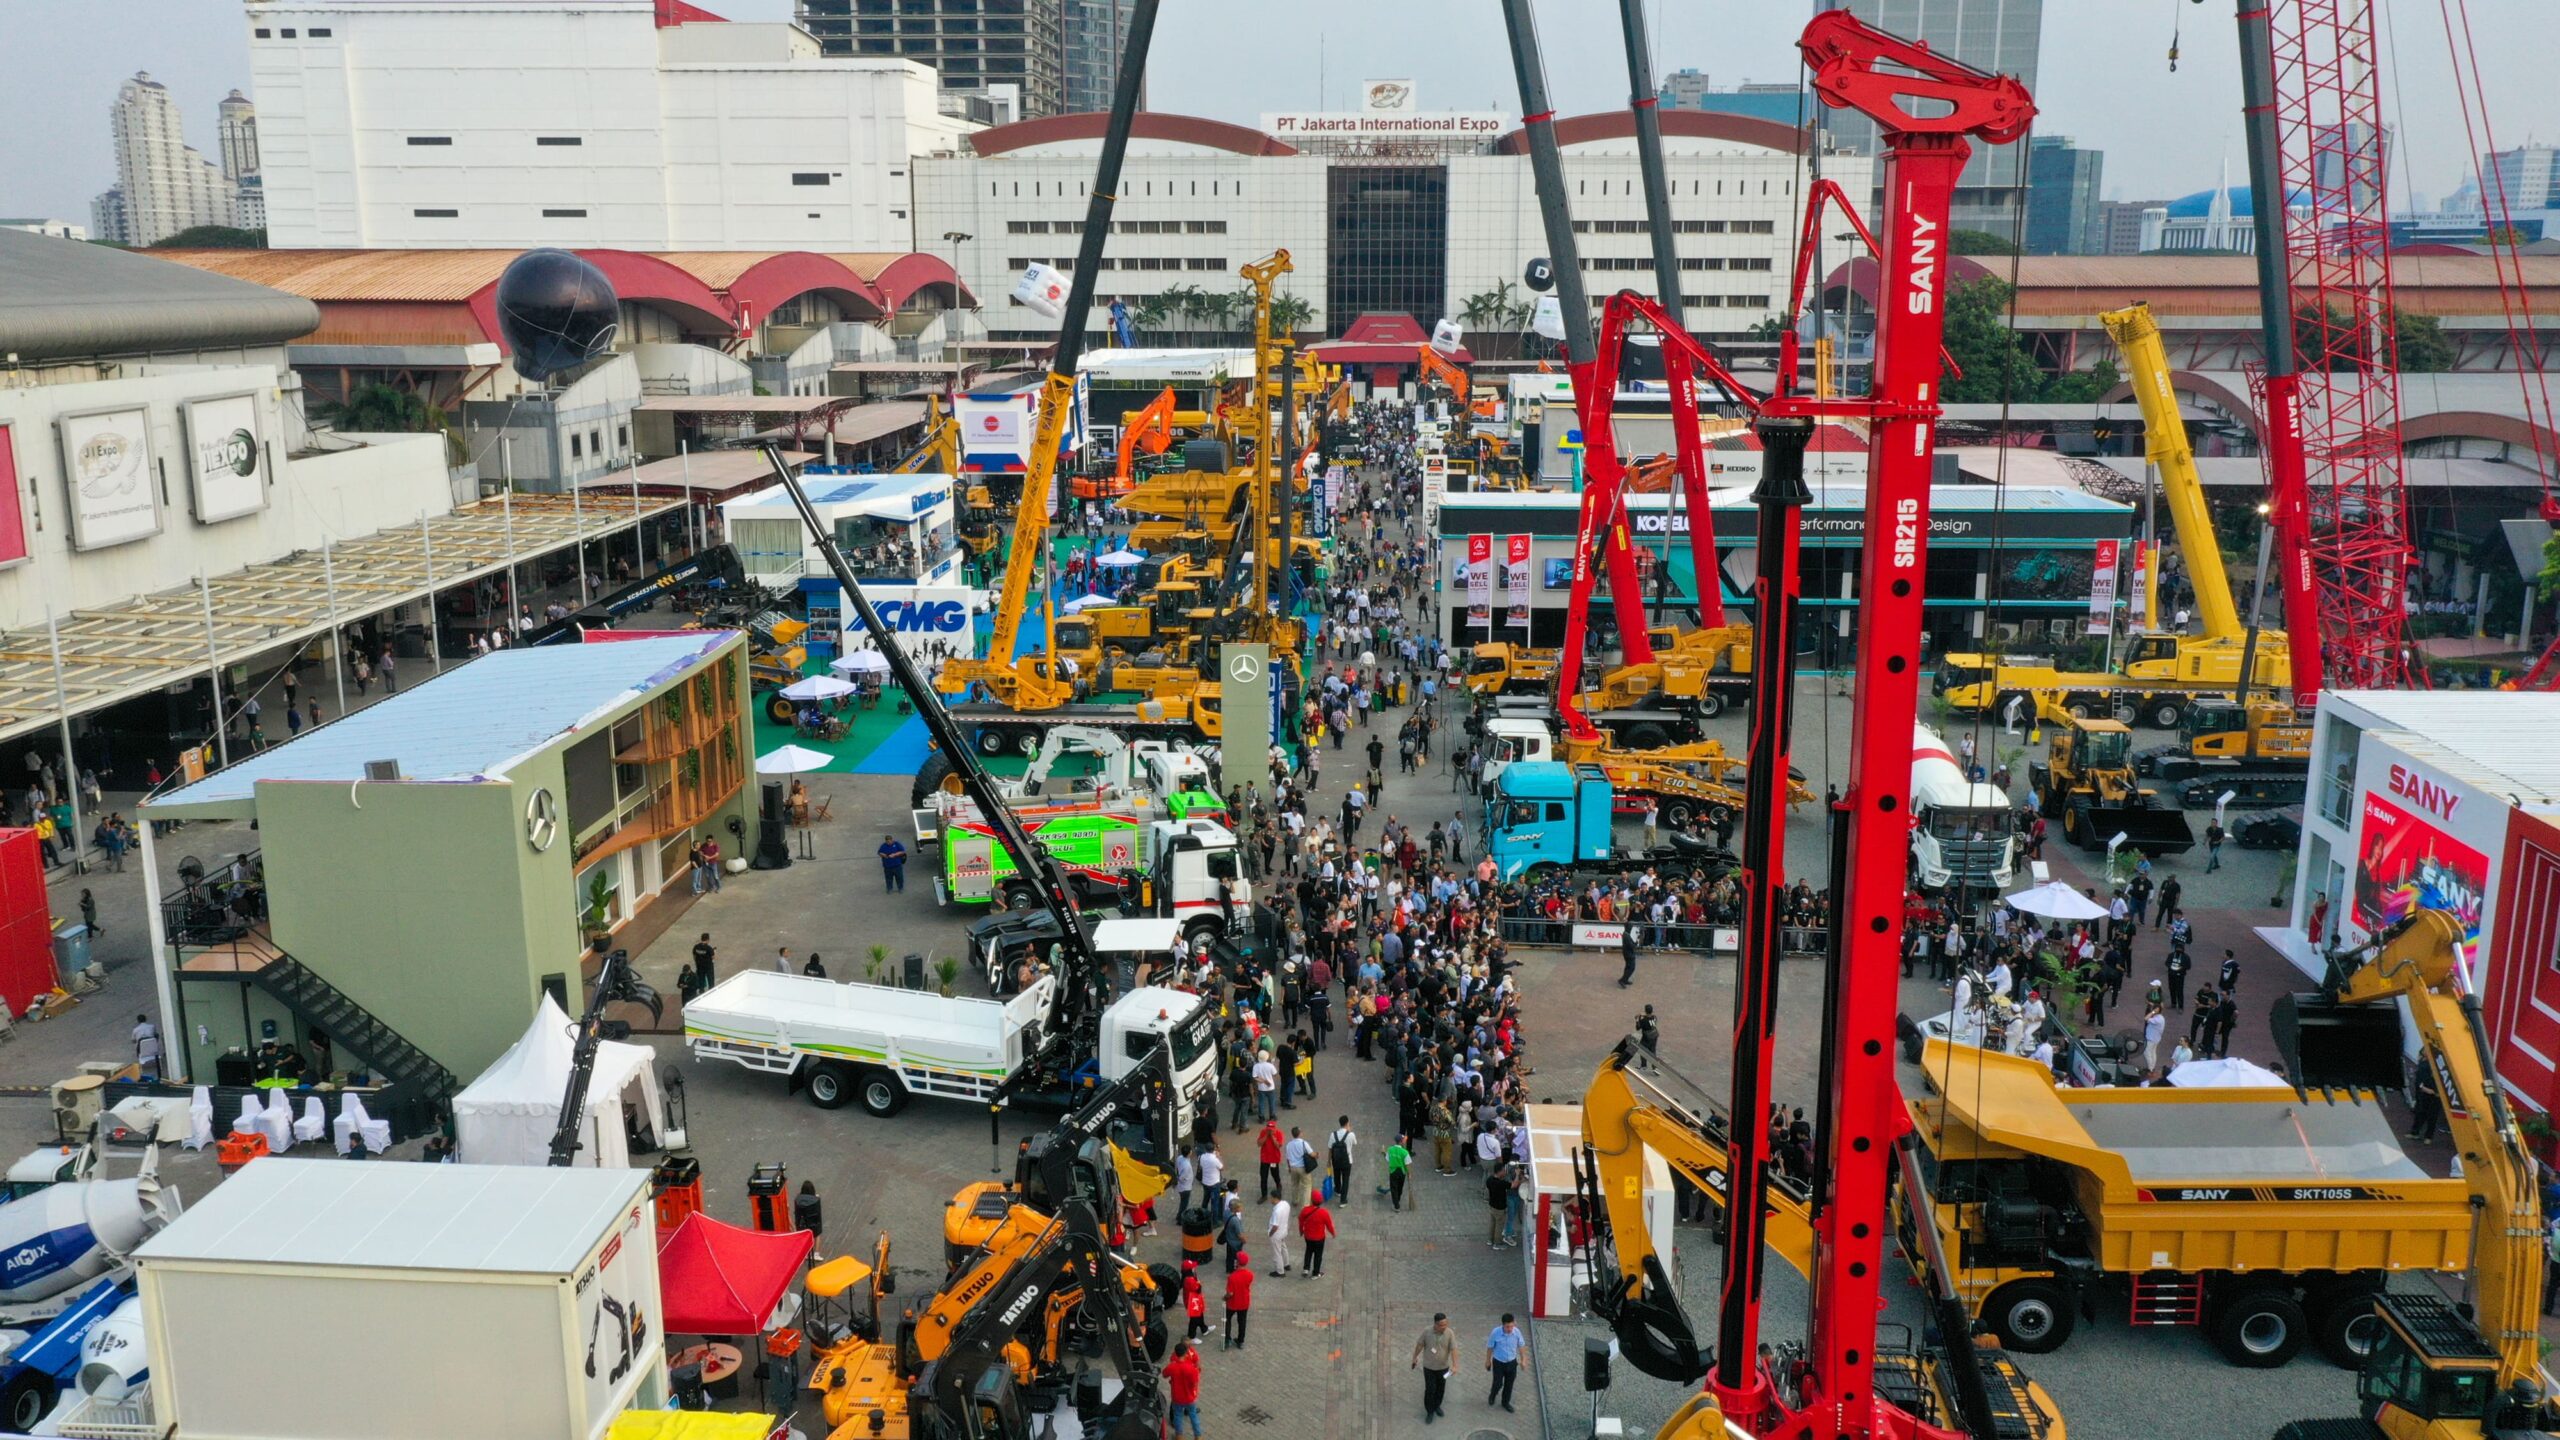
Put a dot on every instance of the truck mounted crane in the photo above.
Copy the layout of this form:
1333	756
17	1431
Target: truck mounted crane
1929	111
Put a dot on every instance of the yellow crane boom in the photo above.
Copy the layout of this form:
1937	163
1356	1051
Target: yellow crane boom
2164	440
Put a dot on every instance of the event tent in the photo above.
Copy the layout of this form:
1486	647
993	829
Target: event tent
720	1279
507	1116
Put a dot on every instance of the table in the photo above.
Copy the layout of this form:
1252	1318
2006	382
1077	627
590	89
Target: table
720	1365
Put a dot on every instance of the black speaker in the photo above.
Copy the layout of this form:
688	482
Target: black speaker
914	966
773	845
1595	1363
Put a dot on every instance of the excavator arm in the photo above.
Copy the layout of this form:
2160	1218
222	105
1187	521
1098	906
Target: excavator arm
939	451
1151	430
1436	366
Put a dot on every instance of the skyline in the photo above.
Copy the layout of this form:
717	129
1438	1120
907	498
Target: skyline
2164	134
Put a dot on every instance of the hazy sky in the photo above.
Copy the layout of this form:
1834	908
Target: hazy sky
2104	77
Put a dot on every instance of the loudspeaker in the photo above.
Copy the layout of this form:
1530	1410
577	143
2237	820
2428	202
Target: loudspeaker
914	965
1595	1363
773	843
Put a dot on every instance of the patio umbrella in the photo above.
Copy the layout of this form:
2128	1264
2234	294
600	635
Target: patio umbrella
817	687
2053	900
862	662
1121	557
2227	1074
791	760
1082	603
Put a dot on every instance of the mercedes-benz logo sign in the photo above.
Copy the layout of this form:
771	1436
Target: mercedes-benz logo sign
1244	668
541	820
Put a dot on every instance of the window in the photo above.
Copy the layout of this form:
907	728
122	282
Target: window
808	177
288	34
1018	227
422	139
564	214
1555	811
559	140
577	446
264	34
436	214
319	32
622	437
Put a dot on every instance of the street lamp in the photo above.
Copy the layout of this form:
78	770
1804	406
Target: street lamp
1848	316
955	239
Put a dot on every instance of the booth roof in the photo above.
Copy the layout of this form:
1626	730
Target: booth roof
502	1219
720	1279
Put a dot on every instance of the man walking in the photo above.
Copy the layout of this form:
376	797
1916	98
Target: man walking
1627	947
1497	1200
1315	1226
1268	1144
893	865
2213	847
2176	967
1437	1350
1502	1357
1278	1232
1340	1149
1182	1389
1399	1160
1239	1306
1298	1166
703	954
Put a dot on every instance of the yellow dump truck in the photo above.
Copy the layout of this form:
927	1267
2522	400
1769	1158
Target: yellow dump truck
2264	1220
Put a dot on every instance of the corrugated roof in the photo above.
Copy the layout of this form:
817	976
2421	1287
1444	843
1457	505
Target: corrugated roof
718	269
469	723
358	274
70	300
505	1219
2507	733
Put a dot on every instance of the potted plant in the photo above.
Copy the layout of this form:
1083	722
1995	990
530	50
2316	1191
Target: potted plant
878	961
596	916
948	968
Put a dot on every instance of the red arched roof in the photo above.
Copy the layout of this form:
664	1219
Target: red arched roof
651	280
756	283
901	277
1147	125
1861	276
1694	124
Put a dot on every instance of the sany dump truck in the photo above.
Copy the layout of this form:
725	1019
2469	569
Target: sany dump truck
877	1045
2265	1221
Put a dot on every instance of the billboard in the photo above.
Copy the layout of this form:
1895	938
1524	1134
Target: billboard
2404	864
13	515
107	472
1480	580
917	614
226	458
2102	589
1515	579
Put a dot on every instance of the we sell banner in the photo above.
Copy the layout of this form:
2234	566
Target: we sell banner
1480	580
2102	589
1515	579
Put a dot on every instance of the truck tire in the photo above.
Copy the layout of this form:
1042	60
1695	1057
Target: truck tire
1679	813
2347	1326
2163	712
2077	827
830	1084
1202	932
26	1399
1647	736
1710	704
990	740
2000	706
936	775
1017	895
2032	1317
879	1093
2260	1329
779	710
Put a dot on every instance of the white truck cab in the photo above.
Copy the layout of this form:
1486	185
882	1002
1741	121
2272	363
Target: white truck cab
1157	1015
1191	861
1508	739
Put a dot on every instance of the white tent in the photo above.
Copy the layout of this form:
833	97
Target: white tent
2233	1073
506	1117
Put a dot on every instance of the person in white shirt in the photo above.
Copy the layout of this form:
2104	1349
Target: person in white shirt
1213	1171
2000	977
1266	1087
146	1044
1279	1233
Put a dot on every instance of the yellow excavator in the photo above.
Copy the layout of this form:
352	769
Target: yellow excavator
2436	1370
2161	674
1630	1110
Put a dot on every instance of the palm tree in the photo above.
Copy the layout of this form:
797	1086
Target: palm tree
1500	308
1289	314
1218	309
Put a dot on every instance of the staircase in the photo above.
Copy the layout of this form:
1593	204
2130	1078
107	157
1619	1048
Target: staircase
2166	1297
416	1087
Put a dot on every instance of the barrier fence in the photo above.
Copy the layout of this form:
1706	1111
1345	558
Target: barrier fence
1698	939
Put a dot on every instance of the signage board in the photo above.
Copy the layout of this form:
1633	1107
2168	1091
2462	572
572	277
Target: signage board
1244	701
2405	864
1480	580
13	515
2102	588
918	614
108	475
226	457
1515	579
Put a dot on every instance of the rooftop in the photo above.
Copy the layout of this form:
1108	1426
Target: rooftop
505	1219
471	723
2506	734
69	300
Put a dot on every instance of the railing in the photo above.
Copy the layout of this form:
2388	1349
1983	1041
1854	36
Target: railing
213	910
1570	933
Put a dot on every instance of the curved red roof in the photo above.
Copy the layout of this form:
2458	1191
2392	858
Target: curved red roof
904	276
1692	124
1147	125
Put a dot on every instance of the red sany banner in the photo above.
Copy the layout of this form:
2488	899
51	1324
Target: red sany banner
2404	865
1480	580
2139	588
13	517
2102	588
1515	579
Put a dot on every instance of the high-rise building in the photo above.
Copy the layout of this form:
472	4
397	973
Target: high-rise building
1997	35
163	185
236	136
2119	230
1096	32
2062	197
974	45
1681	89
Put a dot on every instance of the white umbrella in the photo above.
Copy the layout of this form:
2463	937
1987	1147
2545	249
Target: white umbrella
2052	900
2230	1074
1082	603
1121	557
862	662
791	760
817	687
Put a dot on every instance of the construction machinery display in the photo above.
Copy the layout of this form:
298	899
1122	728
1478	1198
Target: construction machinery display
2257	752
2086	781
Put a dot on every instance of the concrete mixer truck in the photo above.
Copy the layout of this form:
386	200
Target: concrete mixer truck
1963	832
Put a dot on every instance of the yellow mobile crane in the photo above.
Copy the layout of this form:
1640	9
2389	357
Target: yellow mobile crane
2161	674
2435	1370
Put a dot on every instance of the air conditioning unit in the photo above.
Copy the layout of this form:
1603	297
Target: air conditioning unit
382	769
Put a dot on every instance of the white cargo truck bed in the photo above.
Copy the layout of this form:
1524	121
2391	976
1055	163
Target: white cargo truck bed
935	1044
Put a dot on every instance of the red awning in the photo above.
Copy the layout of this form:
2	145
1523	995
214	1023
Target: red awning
719	1279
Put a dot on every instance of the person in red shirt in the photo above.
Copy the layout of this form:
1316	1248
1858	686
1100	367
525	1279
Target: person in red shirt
1182	1387
1239	1303
1269	1141
1315	1226
1195	1301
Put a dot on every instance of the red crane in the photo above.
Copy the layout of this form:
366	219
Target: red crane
2331	393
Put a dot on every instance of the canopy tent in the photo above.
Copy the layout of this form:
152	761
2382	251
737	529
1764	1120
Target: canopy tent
1082	603
1121	557
817	687
2056	901
2230	1073
721	1279
507	1116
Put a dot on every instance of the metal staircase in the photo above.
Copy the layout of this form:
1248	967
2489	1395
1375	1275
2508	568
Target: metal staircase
416	1088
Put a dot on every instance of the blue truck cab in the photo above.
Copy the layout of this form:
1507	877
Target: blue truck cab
1545	812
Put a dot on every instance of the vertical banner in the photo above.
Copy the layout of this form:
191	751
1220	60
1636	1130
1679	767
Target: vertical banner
1515	579
2142	586
1480	580
2102	588
13	515
1244	701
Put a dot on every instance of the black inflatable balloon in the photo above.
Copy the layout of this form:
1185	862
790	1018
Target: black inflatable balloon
556	312
1540	275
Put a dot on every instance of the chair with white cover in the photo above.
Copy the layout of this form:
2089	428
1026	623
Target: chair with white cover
314	1124
277	1123
200	1119
352	1120
252	1119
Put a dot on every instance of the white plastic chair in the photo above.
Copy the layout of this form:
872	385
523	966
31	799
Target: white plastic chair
252	1119
314	1124
277	1123
200	1119
352	1120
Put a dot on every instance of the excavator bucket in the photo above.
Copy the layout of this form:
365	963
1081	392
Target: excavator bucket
1142	1415
2151	830
2330	1046
1654	1333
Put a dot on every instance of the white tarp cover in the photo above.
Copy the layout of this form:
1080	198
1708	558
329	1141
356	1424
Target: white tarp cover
506	1116
2228	1074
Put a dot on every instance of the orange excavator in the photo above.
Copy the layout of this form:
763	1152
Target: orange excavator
1150	430
1436	366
